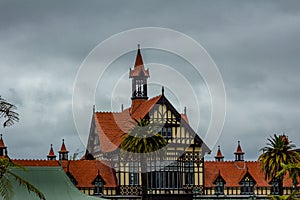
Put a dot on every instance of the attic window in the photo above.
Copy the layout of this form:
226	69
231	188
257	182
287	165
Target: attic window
275	186
98	186
219	186
247	185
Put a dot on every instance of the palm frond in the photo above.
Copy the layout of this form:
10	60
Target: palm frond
6	189
8	113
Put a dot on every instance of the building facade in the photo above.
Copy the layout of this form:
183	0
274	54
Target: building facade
179	172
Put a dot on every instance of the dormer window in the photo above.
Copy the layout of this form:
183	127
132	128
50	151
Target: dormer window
275	186
219	185
98	185
247	185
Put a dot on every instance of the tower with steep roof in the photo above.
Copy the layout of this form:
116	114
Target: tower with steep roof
239	154
219	157
63	153
3	148
51	155
139	76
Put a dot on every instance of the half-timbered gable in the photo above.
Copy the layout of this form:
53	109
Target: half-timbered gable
180	171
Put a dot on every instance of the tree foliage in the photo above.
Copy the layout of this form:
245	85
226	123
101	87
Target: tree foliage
7	111
6	188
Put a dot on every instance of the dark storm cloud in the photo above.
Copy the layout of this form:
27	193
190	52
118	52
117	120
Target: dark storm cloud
254	44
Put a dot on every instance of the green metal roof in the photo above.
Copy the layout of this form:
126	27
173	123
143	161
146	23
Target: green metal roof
51	181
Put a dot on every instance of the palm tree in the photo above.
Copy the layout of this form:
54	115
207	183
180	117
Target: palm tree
7	111
142	139
6	189
6	165
277	152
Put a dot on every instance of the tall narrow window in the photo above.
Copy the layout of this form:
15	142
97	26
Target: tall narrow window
133	173
168	177
247	185
219	186
274	186
98	185
189	173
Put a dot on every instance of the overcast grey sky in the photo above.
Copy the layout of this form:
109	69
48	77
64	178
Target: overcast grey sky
255	45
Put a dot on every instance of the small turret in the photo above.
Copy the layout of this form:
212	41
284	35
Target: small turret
51	155
63	153
219	157
239	154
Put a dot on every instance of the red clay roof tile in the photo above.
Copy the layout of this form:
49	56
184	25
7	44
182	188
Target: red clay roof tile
84	171
138	67
51	152
233	172
2	145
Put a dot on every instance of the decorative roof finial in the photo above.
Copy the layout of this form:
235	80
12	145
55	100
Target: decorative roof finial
122	107
163	90
94	108
184	110
139	46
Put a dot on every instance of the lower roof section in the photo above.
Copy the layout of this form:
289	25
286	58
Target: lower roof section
51	181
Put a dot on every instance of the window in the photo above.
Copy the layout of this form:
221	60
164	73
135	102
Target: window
247	185
167	177
133	173
274	186
189	173
166	132
219	186
98	185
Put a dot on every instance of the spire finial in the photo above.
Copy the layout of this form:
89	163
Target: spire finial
51	145
163	90
185	110
94	108
63	140
122	107
139	46
1	135
219	147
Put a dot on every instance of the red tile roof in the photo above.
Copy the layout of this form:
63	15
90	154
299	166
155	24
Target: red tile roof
84	171
138	67
239	149
112	127
233	172
51	152
63	148
219	153
2	145
185	118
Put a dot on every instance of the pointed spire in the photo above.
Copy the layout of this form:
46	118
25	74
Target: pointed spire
51	155
239	154
162	90
2	145
63	147
219	157
3	148
63	153
139	69
184	110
